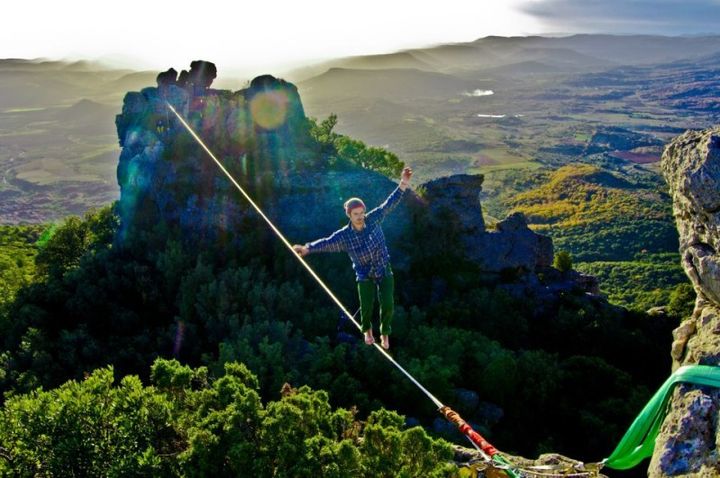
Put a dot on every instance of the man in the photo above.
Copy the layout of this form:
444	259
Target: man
364	241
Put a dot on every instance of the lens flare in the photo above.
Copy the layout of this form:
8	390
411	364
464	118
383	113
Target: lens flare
179	334
269	109
210	114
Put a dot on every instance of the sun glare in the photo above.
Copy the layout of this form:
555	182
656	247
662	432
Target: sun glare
269	109
250	37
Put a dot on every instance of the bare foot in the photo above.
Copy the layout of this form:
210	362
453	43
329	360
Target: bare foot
385	341
369	339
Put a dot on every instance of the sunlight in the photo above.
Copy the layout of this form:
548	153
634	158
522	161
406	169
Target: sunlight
300	33
269	109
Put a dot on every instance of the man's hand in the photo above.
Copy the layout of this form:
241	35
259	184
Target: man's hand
302	251
405	178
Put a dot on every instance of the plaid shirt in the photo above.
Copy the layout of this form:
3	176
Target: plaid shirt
366	248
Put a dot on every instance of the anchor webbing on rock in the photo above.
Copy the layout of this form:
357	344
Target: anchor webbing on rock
638	442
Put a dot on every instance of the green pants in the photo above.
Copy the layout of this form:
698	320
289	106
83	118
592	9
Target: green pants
385	289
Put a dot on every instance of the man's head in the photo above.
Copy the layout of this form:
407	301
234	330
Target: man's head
355	210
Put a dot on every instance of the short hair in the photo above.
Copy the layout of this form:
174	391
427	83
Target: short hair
353	203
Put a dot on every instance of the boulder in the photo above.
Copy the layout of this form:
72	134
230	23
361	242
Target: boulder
689	435
167	78
514	246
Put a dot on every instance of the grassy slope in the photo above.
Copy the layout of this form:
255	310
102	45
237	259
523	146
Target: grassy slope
617	225
641	283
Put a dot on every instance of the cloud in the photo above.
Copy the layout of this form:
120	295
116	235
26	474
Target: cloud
666	17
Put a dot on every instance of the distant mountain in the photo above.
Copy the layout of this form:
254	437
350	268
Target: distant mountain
388	83
565	59
37	64
618	49
598	50
448	57
402	60
40	83
392	61
59	67
132	81
82	65
570	53
85	108
36	89
521	68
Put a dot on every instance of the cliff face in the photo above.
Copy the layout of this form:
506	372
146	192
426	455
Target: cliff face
263	138
166	178
689	436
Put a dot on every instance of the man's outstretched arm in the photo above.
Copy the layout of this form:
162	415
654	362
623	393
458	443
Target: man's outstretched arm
405	178
394	198
333	243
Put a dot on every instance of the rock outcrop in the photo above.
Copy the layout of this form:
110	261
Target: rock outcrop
512	245
687	444
165	177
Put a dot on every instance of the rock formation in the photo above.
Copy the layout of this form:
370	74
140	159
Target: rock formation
687	444
514	245
166	178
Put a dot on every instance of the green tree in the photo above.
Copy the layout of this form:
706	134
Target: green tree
562	261
376	159
336	146
682	301
391	452
188	425
324	135
89	428
69	242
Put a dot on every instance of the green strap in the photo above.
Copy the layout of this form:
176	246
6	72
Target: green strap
497	458
639	441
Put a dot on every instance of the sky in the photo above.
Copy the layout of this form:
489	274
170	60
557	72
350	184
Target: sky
250	37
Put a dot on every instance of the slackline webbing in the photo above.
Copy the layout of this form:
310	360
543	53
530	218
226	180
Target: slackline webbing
487	451
287	244
638	442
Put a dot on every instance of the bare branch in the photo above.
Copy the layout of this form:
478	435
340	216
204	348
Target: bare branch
4	453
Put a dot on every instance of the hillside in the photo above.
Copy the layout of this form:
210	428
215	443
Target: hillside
616	224
578	195
389	84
